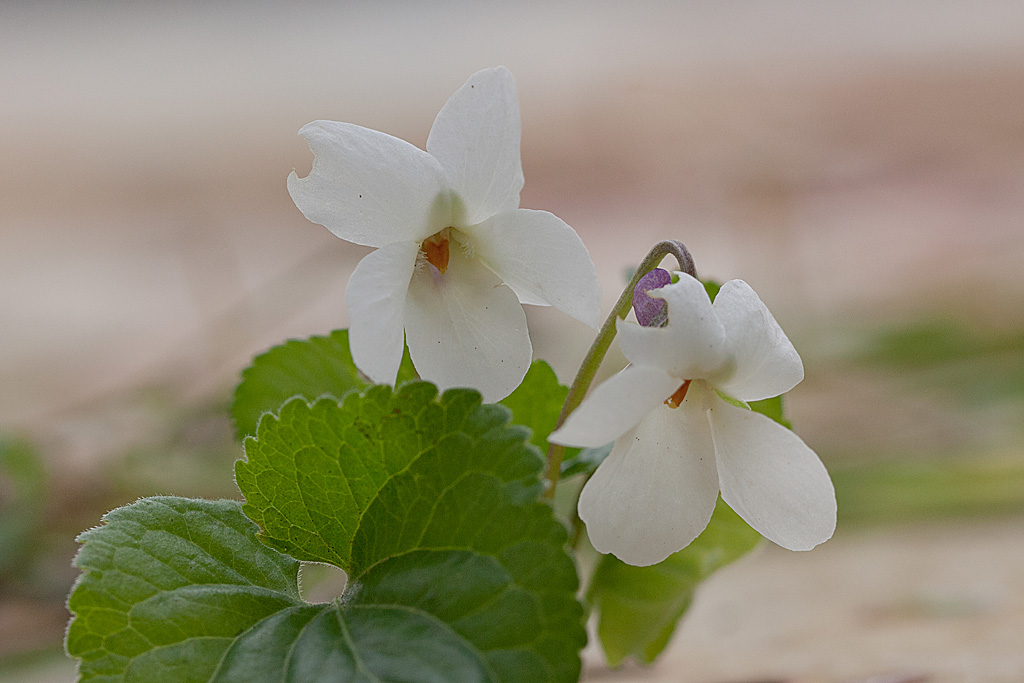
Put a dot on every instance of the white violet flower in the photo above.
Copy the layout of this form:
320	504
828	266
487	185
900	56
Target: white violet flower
678	442
456	256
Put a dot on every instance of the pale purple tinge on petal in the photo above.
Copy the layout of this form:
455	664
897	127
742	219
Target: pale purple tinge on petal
615	406
466	329
657	489
376	301
475	137
542	259
370	188
650	312
771	478
765	364
692	344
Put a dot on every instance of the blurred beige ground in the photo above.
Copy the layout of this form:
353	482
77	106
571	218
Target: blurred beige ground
860	164
920	603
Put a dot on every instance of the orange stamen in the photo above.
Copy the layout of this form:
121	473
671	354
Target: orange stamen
676	399
436	250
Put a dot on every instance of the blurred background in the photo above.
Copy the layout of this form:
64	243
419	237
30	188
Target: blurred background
860	164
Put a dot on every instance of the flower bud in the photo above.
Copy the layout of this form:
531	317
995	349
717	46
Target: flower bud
651	312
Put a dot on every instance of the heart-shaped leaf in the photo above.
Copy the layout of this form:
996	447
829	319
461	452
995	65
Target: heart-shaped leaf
456	572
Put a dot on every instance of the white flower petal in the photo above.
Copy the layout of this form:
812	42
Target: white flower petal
475	137
370	188
541	259
466	329
691	346
526	298
657	489
376	309
615	406
765	362
771	478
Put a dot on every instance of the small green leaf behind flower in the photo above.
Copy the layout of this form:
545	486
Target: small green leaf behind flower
639	607
711	287
586	460
311	368
537	402
772	407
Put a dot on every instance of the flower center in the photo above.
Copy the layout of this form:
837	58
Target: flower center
676	399
437	250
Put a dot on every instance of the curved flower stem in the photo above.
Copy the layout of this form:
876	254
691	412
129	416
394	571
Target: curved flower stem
592	361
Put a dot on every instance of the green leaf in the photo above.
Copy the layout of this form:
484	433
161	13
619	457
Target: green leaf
178	590
537	402
168	585
772	407
311	368
712	288
457	573
640	606
431	506
586	461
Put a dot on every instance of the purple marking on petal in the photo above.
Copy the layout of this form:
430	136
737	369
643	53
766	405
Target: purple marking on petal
648	310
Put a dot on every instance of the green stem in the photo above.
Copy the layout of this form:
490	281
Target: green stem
592	361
